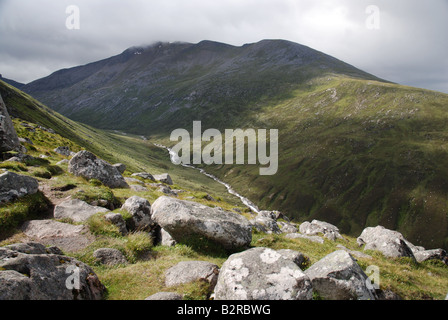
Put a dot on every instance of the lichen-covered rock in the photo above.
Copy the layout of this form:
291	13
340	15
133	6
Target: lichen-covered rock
39	275
109	256
262	274
13	186
186	219
87	165
164	177
337	276
391	243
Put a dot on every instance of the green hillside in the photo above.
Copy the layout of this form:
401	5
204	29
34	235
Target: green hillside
354	150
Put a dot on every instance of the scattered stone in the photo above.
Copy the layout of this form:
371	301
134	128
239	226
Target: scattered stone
143	175
337	276
184	219
109	256
13	186
164	178
302	236
26	140
133	180
316	227
167	190
166	239
265	222
65	151
140	209
391	243
191	271
165	296
87	165
262	274
286	227
42	276
117	220
64	161
76	210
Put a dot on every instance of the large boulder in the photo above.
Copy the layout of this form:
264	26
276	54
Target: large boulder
337	276
186	219
190	271
316	227
9	140
262	274
87	165
140	210
266	222
13	186
76	210
42	275
391	243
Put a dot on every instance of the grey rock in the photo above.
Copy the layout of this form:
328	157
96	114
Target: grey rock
337	276
144	175
190	271
434	254
183	219
286	227
140	209
120	167
262	274
117	220
109	256
164	177
138	188
65	151
316	227
87	165
265	222
13	186
9	141
63	235
165	296
391	243
354	253
76	210
166	239
28	276
297	257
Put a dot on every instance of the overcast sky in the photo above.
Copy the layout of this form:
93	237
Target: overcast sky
404	41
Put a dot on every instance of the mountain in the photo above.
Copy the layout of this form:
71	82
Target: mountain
354	150
166	86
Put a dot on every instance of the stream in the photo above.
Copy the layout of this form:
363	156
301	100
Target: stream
245	201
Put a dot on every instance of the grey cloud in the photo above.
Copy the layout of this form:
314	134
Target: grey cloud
410	47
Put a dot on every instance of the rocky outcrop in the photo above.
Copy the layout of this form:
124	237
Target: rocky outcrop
143	175
337	276
76	210
87	165
262	274
13	186
140	210
190	271
36	274
9	140
391	243
185	219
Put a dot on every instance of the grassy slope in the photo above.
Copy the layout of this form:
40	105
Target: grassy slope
356	153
